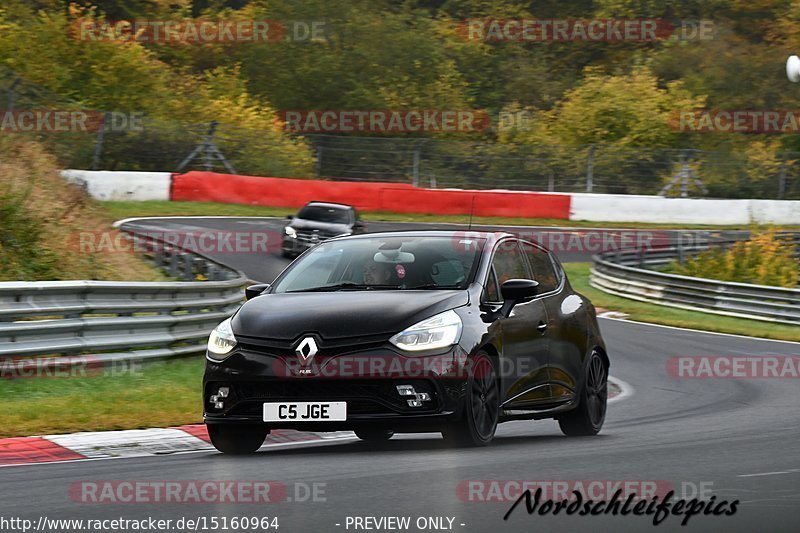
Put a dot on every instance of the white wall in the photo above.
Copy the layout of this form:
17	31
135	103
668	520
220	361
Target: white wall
111	185
630	208
775	211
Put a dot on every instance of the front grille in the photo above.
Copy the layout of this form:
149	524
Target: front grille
311	237
378	396
327	347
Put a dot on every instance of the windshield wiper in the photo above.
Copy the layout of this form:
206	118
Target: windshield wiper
431	286
347	285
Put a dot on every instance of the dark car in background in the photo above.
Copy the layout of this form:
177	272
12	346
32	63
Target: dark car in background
317	222
408	332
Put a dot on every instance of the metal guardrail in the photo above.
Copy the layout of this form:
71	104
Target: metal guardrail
629	274
120	321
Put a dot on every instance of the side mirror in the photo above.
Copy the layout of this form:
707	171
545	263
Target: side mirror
519	289
289	217
255	290
515	291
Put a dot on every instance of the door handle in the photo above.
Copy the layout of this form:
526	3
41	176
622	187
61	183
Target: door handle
542	327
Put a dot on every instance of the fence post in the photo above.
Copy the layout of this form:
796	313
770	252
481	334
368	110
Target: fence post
209	151
318	165
98	144
684	179
590	170
212	128
415	166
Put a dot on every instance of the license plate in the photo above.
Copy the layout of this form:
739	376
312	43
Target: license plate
305	412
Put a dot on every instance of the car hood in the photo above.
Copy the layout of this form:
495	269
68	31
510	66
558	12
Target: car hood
311	225
341	314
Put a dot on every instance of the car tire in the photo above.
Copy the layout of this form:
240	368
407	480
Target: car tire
588	417
237	439
287	254
374	435
482	406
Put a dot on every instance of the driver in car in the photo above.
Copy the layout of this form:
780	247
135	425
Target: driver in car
377	273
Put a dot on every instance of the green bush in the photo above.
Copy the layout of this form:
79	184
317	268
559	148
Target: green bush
765	259
20	254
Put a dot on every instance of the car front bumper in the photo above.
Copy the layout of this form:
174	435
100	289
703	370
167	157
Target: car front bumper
366	380
302	242
293	245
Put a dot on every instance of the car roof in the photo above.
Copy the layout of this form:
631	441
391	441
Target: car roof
329	204
489	235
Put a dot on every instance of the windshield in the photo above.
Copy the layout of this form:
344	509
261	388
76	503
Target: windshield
321	213
385	263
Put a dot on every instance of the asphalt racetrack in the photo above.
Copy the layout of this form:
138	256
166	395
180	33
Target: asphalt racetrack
737	438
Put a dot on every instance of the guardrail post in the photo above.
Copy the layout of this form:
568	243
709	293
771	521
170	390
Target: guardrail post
188	266
158	257
211	271
197	266
173	264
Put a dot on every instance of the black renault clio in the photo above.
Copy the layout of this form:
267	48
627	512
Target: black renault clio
426	331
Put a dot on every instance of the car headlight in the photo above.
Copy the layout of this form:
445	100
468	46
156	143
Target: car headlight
438	331
290	232
221	341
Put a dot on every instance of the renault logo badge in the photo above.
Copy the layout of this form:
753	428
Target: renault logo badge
306	350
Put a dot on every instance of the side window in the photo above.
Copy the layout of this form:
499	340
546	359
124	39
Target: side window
449	272
542	267
492	290
508	262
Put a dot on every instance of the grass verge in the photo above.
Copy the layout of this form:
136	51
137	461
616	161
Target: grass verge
158	394
45	221
669	316
121	209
